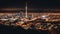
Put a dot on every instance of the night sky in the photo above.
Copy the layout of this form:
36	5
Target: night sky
31	3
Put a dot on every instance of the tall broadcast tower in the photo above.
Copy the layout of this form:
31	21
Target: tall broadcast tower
26	9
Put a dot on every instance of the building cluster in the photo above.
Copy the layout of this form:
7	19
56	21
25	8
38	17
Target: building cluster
42	22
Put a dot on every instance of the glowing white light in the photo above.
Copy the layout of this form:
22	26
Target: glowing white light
43	17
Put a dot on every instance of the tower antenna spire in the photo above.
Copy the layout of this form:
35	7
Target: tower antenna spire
26	9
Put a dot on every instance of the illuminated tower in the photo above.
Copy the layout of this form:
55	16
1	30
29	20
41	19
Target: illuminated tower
26	10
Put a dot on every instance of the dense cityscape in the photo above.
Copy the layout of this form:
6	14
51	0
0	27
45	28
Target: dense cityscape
28	16
37	21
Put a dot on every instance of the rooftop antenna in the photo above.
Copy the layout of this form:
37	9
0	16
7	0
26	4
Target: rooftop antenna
26	9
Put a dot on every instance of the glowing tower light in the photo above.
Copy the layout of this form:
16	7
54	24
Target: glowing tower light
26	10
